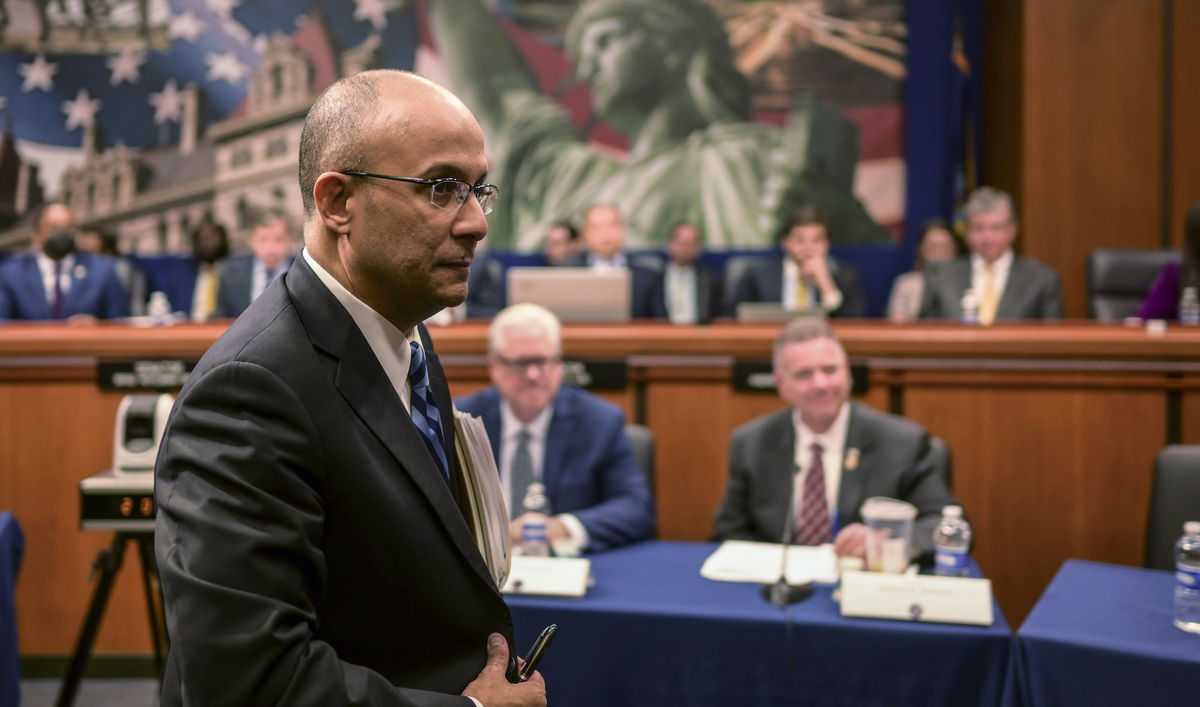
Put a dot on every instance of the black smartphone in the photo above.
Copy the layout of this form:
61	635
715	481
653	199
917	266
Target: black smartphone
534	656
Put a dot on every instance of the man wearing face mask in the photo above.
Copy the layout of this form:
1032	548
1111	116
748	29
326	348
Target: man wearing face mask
57	282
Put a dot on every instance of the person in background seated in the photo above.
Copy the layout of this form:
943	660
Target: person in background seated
561	243
244	277
843	453
210	248
571	441
691	290
938	243
1002	284
806	277
1162	299
603	235
56	281
104	242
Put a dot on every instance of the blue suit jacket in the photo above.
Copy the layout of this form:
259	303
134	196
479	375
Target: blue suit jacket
95	289
588	468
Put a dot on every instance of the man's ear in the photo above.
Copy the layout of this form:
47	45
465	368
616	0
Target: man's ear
331	195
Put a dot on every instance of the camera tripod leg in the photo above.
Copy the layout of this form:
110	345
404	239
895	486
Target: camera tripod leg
108	562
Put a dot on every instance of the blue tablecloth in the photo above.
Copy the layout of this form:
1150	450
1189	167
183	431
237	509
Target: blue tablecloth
12	545
1104	635
653	632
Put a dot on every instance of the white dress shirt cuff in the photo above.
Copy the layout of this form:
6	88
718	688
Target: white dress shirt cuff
475	701
575	530
831	300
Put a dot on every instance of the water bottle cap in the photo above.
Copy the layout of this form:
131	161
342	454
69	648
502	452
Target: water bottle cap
1192	527
952	511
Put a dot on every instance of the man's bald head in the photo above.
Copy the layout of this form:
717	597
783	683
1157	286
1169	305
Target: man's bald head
338	125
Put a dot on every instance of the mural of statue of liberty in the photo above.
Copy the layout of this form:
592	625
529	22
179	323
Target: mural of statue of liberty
662	72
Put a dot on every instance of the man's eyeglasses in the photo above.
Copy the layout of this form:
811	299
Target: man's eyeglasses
520	365
444	193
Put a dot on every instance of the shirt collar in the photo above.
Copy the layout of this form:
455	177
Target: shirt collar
1002	264
511	425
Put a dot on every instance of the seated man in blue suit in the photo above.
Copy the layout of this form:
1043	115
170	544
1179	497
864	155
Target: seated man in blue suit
603	235
575	442
244	277
806	277
55	281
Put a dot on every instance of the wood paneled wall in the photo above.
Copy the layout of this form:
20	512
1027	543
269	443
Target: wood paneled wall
1092	122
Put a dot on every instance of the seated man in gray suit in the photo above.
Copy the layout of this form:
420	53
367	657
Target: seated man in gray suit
841	453
999	284
570	441
244	277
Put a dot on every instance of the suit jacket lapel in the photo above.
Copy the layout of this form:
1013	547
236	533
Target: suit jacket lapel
778	470
34	292
1014	288
853	487
365	387
558	435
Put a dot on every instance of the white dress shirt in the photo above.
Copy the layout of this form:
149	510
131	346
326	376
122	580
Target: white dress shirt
47	267
833	448
538	429
1000	270
681	293
617	262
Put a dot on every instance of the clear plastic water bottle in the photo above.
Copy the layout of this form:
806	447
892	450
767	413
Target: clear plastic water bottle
533	533
159	308
952	543
1187	578
970	307
1189	307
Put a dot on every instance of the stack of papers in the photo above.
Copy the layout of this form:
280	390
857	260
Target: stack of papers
483	499
745	561
549	576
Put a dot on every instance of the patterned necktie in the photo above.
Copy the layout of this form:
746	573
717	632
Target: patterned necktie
989	300
425	413
803	297
56	307
812	521
522	474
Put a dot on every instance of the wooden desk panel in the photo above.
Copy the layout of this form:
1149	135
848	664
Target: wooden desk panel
1053	430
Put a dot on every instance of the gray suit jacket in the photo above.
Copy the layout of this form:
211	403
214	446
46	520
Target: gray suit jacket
309	549
1032	290
894	460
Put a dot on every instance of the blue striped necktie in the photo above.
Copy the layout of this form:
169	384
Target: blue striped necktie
425	413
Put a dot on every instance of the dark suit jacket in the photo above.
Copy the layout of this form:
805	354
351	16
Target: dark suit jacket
485	288
894	460
237	278
763	282
309	550
588	468
646	300
95	289
1031	292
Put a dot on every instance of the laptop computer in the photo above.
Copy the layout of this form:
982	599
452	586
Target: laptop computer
573	294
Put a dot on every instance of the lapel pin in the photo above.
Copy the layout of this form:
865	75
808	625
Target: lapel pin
851	459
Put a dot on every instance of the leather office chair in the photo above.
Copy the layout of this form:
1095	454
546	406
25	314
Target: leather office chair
642	441
1119	278
735	269
942	460
1174	500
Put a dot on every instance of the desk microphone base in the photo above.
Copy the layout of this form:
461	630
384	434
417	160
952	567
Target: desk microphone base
782	594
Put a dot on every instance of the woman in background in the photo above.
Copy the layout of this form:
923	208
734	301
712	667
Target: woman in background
938	242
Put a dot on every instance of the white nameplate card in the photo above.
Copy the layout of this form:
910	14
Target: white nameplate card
953	600
548	576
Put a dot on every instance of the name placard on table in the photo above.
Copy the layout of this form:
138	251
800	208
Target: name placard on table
548	576
955	600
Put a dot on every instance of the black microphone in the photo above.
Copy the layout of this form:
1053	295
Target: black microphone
779	592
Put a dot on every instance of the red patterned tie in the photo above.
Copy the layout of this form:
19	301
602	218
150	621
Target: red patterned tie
812	520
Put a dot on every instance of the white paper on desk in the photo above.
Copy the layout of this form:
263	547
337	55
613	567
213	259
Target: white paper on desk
483	499
745	561
954	600
549	576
